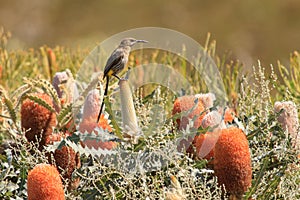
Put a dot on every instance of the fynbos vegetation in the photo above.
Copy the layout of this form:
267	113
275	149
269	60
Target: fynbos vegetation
253	146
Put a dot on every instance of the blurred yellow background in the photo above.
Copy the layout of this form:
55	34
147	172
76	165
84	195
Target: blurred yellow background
267	30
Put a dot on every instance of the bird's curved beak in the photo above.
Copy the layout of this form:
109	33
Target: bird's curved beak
141	41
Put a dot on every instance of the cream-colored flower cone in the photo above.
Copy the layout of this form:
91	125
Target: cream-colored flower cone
129	119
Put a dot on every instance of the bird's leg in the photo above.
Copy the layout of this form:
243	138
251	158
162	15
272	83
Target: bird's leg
115	75
120	79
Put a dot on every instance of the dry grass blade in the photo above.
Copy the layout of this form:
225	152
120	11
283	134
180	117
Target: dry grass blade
9	104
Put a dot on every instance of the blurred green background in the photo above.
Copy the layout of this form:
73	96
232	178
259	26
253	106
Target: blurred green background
267	30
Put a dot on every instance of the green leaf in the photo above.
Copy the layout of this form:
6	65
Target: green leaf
113	120
65	114
98	135
74	138
9	104
40	102
258	179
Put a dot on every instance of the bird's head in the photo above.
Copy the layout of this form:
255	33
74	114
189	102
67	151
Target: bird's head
131	41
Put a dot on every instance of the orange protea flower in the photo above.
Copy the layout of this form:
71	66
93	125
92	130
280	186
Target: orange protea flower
202	146
88	124
186	103
38	120
44	183
232	161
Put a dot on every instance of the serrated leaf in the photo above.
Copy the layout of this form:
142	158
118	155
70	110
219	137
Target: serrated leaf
40	102
74	138
64	113
61	144
89	151
54	146
66	119
73	142
21	92
102	136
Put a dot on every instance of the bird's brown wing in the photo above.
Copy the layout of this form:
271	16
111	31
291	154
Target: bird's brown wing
114	60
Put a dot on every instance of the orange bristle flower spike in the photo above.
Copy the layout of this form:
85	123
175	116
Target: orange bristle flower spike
44	183
38	121
232	161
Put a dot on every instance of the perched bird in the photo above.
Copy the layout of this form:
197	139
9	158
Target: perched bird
117	61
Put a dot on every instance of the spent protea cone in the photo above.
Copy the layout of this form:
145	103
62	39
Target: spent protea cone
44	183
129	119
65	86
289	119
58	79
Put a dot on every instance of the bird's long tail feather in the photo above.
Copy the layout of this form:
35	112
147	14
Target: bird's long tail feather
105	94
